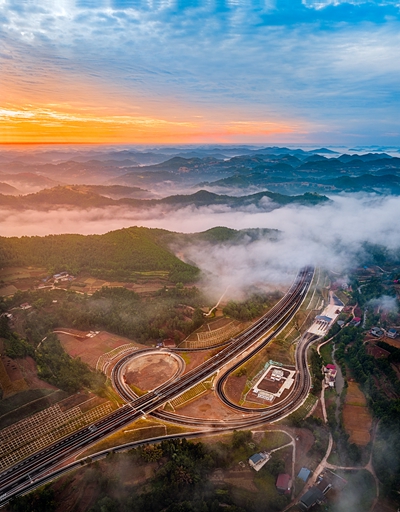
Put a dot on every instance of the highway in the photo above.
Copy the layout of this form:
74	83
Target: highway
20	477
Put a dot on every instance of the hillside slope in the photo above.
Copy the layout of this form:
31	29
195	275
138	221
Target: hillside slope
114	255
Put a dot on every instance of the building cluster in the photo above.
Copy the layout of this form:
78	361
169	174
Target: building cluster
325	320
356	321
272	382
378	332
330	372
62	277
316	494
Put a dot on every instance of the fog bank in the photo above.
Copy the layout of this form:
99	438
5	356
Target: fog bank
331	235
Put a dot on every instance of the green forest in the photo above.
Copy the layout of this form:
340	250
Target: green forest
250	308
114	255
117	310
53	363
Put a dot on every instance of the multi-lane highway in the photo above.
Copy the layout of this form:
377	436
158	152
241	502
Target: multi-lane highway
19	477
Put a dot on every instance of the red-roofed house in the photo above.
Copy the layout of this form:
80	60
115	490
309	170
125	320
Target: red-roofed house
283	483
168	343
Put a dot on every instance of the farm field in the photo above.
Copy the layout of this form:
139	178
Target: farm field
356	417
13	279
393	342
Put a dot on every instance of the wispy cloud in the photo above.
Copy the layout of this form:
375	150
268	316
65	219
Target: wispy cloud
329	65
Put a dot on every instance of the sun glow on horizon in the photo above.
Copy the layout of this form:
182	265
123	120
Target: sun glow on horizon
61	123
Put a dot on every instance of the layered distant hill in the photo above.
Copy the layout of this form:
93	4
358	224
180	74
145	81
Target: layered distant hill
7	189
87	197
231	170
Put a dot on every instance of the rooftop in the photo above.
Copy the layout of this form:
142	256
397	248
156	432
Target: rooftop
311	497
304	473
323	318
257	457
283	481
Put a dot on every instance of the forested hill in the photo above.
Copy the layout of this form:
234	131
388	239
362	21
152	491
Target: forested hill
217	236
86	197
114	255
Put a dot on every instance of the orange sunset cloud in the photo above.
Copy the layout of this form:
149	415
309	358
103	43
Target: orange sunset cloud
38	124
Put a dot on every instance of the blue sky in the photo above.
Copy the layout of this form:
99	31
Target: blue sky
282	70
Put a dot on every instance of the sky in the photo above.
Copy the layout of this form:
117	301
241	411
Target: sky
191	71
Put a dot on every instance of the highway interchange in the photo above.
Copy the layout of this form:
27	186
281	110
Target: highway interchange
45	464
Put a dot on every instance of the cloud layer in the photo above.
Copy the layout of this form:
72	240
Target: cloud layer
260	70
330	236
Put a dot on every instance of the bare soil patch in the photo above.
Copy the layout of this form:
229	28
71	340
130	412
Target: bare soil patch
208	406
89	349
356	417
29	371
11	379
234	387
12	369
194	359
318	413
377	352
150	371
90	285
304	442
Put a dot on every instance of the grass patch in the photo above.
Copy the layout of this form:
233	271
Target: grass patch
302	411
330	394
334	458
110	394
326	353
343	296
185	356
265	483
272	440
137	391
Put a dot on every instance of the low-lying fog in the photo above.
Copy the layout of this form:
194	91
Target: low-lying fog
330	235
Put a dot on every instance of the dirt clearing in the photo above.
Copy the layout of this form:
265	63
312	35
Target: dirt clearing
90	348
150	371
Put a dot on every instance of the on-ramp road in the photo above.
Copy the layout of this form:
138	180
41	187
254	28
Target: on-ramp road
25	475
